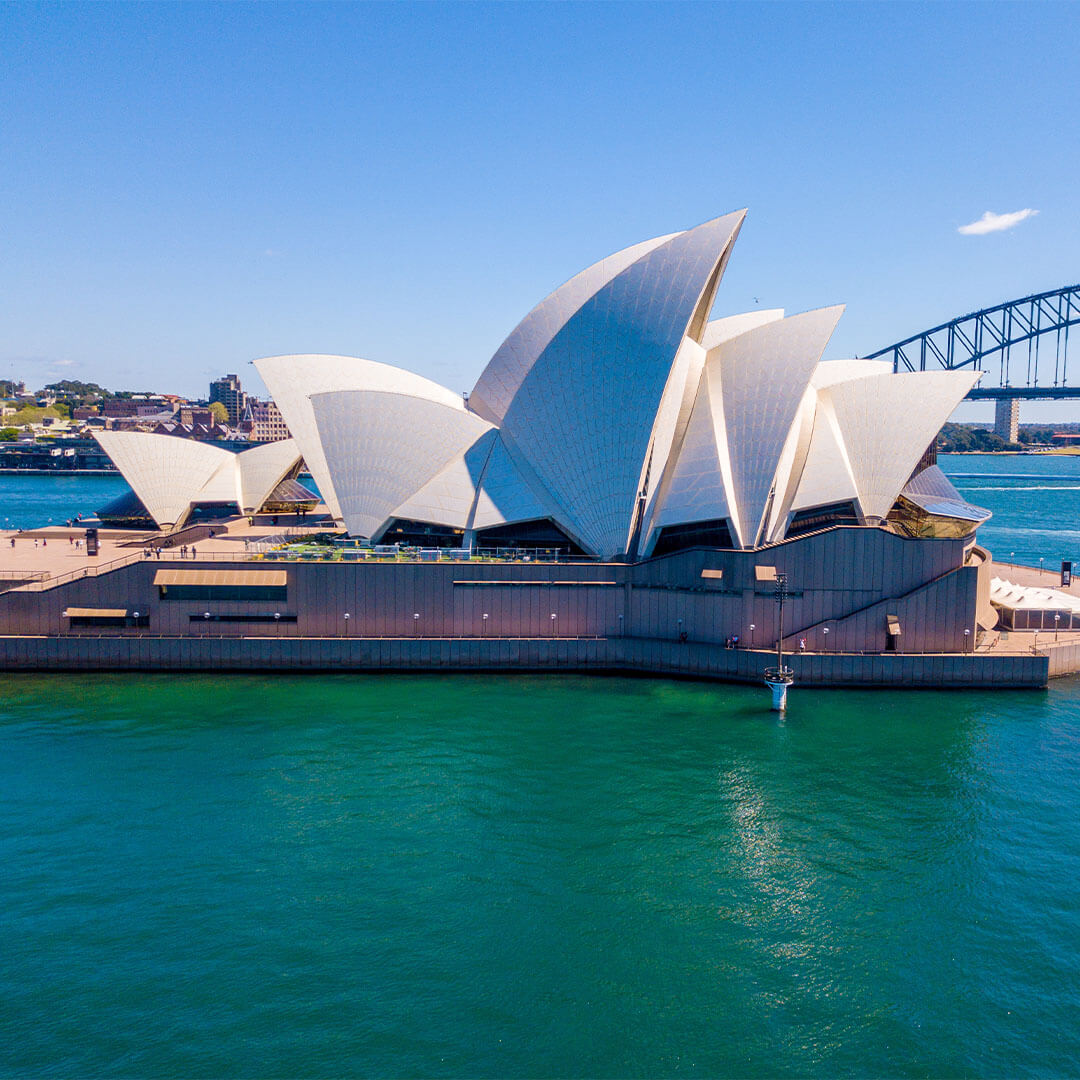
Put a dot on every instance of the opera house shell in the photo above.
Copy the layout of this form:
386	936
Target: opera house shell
617	421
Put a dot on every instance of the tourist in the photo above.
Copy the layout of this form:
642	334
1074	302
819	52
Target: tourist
13	541
193	551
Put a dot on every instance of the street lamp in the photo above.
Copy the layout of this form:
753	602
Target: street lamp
553	618
1041	560
680	630
483	625
967	635
416	623
825	632
346	617
1057	619
752	629
620	625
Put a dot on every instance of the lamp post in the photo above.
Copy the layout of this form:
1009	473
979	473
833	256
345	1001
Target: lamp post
679	633
825	633
620	625
1057	619
416	623
1042	558
967	636
346	618
779	678
553	618
752	629
483	625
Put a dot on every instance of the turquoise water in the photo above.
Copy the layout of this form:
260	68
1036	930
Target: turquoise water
1035	500
519	876
401	876
29	501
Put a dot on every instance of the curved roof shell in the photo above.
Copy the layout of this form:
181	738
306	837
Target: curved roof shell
583	416
382	447
292	380
169	474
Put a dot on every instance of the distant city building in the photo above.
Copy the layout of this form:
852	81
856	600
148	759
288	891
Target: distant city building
227	390
1007	418
191	415
84	412
264	422
115	407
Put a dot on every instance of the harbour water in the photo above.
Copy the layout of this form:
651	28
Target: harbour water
525	876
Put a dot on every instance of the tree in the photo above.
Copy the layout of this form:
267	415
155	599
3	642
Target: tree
220	413
9	434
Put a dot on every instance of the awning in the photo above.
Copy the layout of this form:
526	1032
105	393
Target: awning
95	613
222	578
765	573
893	624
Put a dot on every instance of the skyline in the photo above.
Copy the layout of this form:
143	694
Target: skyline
187	188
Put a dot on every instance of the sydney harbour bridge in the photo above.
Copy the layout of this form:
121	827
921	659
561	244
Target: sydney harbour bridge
1021	345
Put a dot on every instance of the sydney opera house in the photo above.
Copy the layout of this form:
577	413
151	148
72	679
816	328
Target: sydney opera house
653	470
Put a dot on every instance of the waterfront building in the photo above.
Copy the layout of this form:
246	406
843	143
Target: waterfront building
623	487
263	422
618	422
228	392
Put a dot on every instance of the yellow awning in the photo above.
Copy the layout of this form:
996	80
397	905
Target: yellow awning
95	613
221	578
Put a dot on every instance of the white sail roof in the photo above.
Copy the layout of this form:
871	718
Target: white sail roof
765	373
514	359
168	473
583	417
696	490
888	421
262	468
382	447
292	380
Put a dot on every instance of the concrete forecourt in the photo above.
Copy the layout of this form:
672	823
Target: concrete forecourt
628	487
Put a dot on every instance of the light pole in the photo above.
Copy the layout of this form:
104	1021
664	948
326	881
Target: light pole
1057	619
346	618
967	636
680	630
553	618
483	625
752	629
825	633
1041	560
416	623
620	625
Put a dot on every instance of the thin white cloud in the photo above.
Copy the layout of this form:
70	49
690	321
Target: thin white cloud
991	222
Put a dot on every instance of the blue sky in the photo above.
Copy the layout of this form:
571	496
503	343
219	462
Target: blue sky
184	187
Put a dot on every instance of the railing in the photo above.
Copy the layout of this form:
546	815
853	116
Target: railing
48	582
